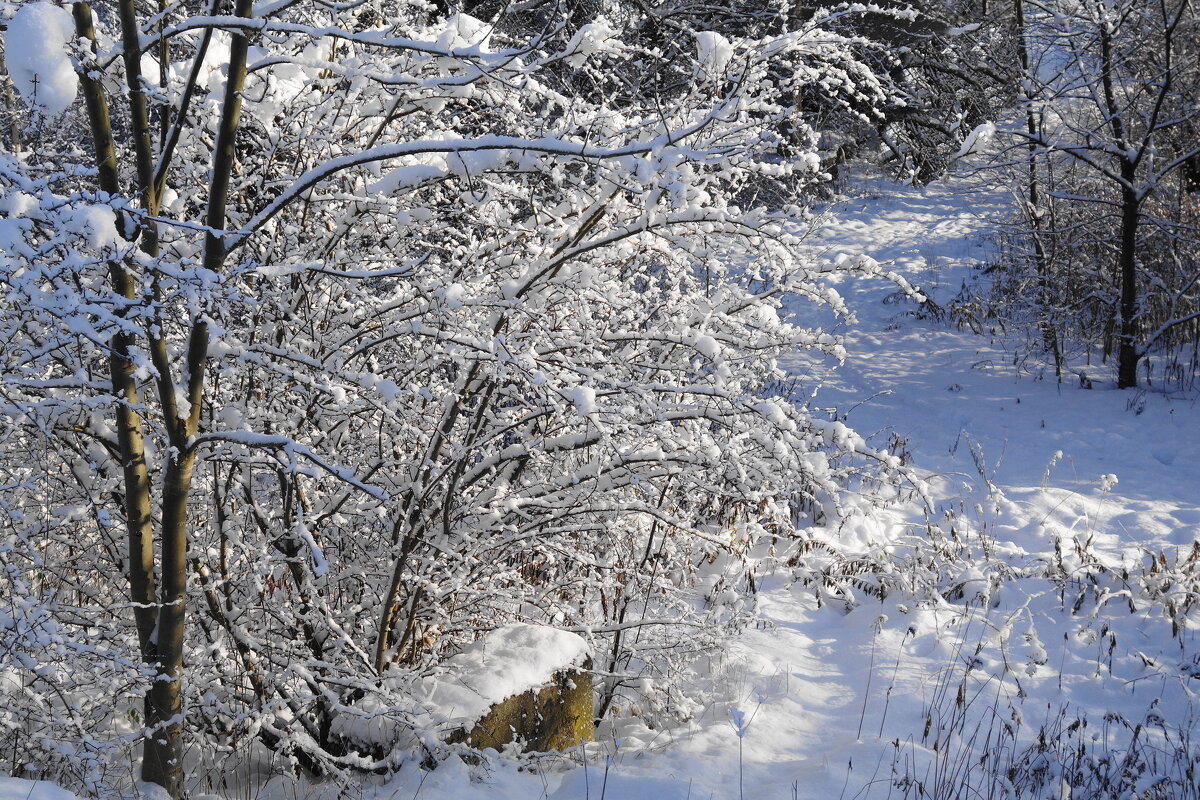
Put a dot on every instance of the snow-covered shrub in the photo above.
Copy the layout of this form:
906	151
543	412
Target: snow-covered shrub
945	69
401	329
67	680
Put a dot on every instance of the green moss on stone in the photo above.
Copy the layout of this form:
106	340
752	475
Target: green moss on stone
554	717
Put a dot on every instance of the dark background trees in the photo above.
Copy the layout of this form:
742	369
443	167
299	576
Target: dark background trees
1109	260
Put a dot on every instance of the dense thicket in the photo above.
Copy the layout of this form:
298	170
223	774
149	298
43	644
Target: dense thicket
336	335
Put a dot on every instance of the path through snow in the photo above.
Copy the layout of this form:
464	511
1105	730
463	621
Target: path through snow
822	692
938	389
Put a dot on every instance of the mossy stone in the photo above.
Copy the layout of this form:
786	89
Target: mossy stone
557	716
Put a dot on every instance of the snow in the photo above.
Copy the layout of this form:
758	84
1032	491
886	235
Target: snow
977	140
407	177
19	789
713	52
591	39
583	398
98	223
36	54
505	662
707	346
463	30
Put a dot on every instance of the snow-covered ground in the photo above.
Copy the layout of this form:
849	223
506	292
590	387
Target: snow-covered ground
939	389
1029	477
822	701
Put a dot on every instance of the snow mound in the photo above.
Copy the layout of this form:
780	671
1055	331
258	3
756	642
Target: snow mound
21	789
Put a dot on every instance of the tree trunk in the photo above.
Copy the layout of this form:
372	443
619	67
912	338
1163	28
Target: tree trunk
1127	355
162	760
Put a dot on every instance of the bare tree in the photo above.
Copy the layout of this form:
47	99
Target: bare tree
1111	114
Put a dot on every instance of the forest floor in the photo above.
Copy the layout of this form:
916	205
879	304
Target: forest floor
1065	620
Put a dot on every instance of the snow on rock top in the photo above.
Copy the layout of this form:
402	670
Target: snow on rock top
35	50
504	663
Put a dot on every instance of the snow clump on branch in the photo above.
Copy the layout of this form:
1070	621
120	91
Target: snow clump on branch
36	52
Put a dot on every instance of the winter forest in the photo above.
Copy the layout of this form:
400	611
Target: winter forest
574	399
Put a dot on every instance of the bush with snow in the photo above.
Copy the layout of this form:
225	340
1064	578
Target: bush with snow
441	325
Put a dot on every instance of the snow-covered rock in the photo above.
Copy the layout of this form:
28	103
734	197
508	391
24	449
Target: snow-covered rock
506	662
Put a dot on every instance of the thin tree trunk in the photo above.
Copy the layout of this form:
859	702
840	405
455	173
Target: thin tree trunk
1036	211
160	638
1127	355
162	762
